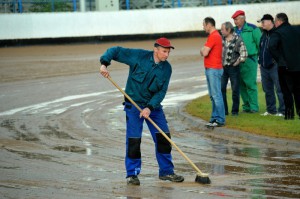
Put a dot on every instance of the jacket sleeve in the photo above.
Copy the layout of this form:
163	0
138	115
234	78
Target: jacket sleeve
119	54
274	46
256	37
260	50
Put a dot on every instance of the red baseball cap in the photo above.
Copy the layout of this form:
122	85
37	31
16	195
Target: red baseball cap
238	13
164	42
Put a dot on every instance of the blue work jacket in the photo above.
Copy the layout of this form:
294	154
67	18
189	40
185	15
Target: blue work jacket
147	82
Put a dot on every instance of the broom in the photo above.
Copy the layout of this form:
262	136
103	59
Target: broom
201	177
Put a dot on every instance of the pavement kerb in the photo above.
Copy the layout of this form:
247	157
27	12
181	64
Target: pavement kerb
235	135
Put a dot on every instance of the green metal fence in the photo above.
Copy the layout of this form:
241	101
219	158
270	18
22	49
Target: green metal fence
27	6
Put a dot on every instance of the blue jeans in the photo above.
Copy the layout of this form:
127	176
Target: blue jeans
213	78
134	128
269	79
231	73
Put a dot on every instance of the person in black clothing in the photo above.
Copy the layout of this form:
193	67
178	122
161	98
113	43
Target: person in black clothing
269	69
285	48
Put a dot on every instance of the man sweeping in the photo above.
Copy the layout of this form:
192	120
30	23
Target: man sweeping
147	85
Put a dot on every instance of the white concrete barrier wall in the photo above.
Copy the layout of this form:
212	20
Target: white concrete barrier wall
86	24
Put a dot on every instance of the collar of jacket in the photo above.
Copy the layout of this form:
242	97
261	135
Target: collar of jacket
248	27
283	25
159	64
235	36
268	32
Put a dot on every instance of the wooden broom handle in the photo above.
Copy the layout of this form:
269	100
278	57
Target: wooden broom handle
155	125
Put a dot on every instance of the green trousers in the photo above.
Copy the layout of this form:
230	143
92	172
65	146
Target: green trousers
248	84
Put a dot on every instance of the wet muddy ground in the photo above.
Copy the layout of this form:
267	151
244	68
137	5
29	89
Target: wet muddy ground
63	132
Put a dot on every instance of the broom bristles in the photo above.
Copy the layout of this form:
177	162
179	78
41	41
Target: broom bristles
202	180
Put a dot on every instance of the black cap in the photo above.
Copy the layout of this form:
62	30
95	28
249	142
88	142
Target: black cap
266	17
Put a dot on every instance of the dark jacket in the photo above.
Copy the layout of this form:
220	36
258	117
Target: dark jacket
265	58
285	47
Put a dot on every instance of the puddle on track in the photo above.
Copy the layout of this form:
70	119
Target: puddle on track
74	149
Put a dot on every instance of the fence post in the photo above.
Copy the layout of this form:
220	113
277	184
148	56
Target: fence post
74	6
13	6
82	5
52	5
20	6
127	4
179	3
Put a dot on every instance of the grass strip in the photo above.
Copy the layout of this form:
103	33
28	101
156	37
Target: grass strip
273	126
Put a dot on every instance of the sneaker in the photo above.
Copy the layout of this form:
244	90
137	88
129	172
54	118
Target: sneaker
172	178
133	180
266	114
208	124
217	124
279	114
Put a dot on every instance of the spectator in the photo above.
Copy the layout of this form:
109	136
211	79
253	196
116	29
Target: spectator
269	69
248	70
285	48
234	53
212	53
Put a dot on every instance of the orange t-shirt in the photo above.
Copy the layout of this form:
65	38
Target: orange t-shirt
214	57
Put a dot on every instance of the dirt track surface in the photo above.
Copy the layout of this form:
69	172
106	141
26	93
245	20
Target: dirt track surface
63	132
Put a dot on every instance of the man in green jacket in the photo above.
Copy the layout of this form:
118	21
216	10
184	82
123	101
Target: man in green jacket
248	70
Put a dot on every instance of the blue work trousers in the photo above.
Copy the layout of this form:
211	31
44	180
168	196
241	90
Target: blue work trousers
134	128
213	78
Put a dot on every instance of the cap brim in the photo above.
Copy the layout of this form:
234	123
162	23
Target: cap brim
166	46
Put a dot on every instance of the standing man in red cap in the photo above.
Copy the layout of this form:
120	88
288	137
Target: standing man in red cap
147	85
248	70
